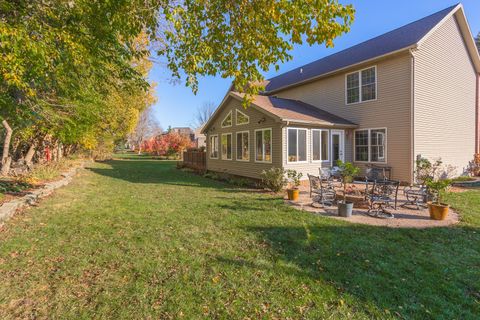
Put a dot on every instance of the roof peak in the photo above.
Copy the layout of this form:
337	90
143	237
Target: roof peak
389	42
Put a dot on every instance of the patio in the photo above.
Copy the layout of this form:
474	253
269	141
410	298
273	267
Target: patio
404	217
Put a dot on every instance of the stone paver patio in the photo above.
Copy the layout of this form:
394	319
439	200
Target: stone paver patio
405	217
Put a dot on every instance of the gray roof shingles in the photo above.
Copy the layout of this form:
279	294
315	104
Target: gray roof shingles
389	42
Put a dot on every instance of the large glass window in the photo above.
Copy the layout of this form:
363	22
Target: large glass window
319	145
263	145
297	145
243	150
214	147
227	146
370	145
361	85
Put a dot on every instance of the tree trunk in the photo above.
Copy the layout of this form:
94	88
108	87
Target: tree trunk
30	154
6	159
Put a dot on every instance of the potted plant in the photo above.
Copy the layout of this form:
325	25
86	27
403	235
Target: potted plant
294	178
347	171
437	187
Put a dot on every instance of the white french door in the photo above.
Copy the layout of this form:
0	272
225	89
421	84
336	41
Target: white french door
337	146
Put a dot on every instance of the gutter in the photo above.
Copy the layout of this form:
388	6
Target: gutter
412	118
477	116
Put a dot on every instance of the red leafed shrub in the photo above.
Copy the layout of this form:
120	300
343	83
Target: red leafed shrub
168	144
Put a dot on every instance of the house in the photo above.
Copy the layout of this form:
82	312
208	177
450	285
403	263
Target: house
200	139
411	92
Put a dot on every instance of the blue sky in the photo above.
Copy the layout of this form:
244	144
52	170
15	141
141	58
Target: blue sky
177	104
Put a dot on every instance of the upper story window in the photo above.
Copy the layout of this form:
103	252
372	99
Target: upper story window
370	145
227	121
242	118
214	147
297	145
361	85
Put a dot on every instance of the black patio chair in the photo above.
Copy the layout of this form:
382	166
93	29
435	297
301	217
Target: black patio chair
382	194
322	192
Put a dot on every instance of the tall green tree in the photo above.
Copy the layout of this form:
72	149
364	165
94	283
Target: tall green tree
66	65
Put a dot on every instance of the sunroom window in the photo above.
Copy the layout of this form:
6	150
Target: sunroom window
361	85
297	145
319	145
243	150
370	145
227	121
242	118
227	146
214	147
263	145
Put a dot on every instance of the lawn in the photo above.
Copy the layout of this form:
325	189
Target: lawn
135	238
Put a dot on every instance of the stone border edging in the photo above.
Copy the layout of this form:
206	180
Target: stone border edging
8	209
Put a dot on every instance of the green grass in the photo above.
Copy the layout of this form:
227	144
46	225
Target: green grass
137	239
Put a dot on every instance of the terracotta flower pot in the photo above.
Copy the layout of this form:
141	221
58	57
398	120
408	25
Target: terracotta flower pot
438	211
293	194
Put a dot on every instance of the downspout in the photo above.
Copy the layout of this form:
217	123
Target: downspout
412	118
477	124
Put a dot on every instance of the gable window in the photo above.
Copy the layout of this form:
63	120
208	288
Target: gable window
361	85
227	121
227	146
263	145
319	145
214	147
242	118
370	145
297	145
243	149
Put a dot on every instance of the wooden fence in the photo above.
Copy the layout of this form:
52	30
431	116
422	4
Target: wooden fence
195	159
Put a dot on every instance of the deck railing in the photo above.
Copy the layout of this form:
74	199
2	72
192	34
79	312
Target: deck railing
195	159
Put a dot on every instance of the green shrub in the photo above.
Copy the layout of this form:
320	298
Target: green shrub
274	179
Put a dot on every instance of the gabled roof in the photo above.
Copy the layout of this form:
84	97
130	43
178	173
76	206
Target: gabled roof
400	39
288	110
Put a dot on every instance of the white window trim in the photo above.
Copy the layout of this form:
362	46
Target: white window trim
211	146
360	86
328	145
306	145
271	145
228	114
231	145
236	118
369	145
236	149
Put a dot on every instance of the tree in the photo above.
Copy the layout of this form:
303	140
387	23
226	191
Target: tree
75	72
147	127
204	112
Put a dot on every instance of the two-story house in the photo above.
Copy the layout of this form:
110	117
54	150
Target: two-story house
408	93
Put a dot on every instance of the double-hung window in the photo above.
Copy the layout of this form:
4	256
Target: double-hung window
214	146
227	146
263	145
320	145
370	145
297	145
243	150
361	85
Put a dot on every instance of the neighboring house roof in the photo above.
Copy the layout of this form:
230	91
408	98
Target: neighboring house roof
288	110
403	38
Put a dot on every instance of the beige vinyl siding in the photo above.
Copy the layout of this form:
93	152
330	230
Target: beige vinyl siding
391	109
444	119
249	168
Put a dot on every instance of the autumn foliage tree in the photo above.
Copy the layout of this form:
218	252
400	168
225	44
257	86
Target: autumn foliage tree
168	144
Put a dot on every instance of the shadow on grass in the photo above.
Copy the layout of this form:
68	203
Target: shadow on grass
139	170
430	273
